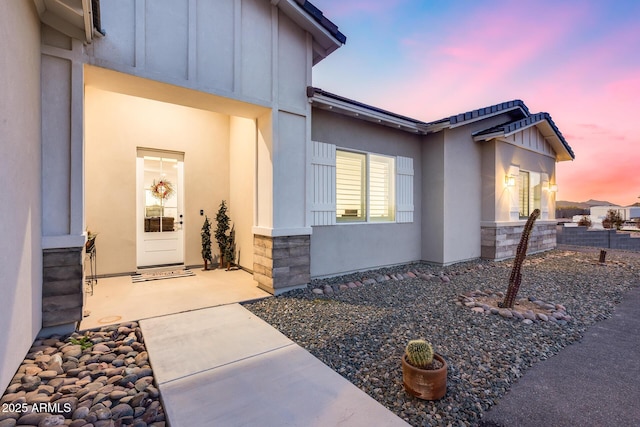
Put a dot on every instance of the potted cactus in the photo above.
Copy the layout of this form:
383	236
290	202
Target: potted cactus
424	373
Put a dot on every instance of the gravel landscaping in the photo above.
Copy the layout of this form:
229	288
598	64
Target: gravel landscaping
359	324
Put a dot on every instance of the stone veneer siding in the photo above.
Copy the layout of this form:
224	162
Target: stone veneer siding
281	263
501	242
582	236
62	280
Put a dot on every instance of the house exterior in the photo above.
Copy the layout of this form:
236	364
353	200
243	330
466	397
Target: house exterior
135	119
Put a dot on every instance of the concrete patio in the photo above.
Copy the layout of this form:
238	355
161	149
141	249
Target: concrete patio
117	299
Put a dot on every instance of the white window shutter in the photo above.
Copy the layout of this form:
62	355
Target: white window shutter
323	164
404	189
514	204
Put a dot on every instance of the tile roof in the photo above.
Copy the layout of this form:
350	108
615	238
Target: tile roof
488	111
531	120
516	110
319	17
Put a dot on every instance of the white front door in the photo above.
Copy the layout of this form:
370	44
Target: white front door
159	208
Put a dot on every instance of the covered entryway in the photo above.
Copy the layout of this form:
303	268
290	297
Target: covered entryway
158	159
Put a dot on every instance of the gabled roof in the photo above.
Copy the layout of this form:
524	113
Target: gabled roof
545	125
515	112
326	36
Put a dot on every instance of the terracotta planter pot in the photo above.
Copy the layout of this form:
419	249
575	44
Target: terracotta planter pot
427	384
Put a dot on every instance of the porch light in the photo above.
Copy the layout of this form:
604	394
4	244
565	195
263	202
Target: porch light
553	188
510	180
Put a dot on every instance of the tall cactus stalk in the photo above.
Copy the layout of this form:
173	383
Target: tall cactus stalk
521	252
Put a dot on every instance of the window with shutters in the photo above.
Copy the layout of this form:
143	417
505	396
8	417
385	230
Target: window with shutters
365	187
357	187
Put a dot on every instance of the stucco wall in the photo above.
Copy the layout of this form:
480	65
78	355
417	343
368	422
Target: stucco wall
462	189
115	125
348	247
432	186
497	157
20	161
242	158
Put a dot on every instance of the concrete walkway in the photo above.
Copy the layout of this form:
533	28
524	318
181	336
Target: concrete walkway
595	382
225	366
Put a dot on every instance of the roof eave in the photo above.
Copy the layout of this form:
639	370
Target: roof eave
324	43
73	19
361	112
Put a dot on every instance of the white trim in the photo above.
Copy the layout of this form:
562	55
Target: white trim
65	241
363	113
282	232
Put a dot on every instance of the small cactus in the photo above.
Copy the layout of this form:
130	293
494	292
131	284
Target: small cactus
419	353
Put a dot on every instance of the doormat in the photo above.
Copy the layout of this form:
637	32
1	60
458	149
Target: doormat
159	275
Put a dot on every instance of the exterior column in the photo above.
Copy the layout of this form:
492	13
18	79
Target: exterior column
281	263
63	234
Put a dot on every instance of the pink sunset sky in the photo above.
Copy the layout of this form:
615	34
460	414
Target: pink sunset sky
577	60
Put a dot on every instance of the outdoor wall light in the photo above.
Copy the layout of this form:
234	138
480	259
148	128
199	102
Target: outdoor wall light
510	181
553	188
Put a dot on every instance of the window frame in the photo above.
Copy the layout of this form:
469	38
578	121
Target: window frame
391	186
533	193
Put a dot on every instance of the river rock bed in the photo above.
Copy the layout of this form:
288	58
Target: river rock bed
99	378
359	324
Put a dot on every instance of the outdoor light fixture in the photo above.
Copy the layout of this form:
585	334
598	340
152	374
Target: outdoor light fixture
553	188
510	180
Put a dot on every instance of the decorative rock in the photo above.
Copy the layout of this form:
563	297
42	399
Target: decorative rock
47	375
445	279
328	290
543	317
72	351
80	413
343	287
142	357
52	421
527	321
477	310
100	348
121	411
318	291
30	382
505	312
351	285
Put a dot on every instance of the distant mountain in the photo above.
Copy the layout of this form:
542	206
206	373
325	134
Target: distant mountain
582	205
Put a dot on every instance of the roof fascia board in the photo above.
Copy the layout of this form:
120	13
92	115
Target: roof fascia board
366	114
300	17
